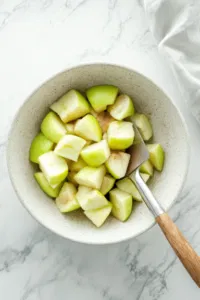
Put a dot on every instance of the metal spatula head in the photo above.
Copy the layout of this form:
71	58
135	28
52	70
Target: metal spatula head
138	151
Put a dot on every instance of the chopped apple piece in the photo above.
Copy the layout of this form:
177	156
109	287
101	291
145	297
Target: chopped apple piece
104	119
120	135
91	177
45	186
53	128
122	204
96	154
143	125
107	184
54	167
76	166
98	216
90	198
157	156
122	108
70	147
127	185
71	178
88	128
101	96
117	164
147	168
39	146
66	200
71	106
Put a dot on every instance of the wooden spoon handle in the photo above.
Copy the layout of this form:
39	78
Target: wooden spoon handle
184	251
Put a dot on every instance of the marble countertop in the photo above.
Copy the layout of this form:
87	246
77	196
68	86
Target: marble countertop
37	39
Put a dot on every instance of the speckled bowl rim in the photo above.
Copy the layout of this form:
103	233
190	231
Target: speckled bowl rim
57	74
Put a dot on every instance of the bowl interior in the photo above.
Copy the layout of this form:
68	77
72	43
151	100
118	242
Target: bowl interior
169	130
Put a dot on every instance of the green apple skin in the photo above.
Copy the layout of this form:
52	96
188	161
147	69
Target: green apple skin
120	135
117	164
147	168
66	200
104	119
88	128
101	96
70	147
71	106
122	204
144	126
53	128
54	167
96	154
156	156
90	198
99	216
45	186
76	166
91	177
107	184
122	108
39	146
127	185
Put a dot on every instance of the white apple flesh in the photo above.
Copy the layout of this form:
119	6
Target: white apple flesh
122	108
107	184
144	126
99	216
66	200
120	135
71	106
122	204
54	167
156	156
91	177
88	128
70	147
117	164
90	198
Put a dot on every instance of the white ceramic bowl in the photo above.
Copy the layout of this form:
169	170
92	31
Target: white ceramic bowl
169	130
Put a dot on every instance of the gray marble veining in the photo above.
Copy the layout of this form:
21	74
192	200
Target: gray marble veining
37	39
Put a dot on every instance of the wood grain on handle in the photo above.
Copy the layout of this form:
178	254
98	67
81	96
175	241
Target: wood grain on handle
184	251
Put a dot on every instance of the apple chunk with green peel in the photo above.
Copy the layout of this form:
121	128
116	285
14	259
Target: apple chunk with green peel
122	204
88	128
101	96
52	127
96	154
144	126
120	135
127	185
90	198
145	177
117	164
147	168
76	166
157	156
107	184
104	119
122	108
39	146
66	200
99	216
71	106
91	177
45	186
70	147
54	167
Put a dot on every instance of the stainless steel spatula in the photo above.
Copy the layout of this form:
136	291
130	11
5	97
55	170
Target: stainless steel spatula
187	255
